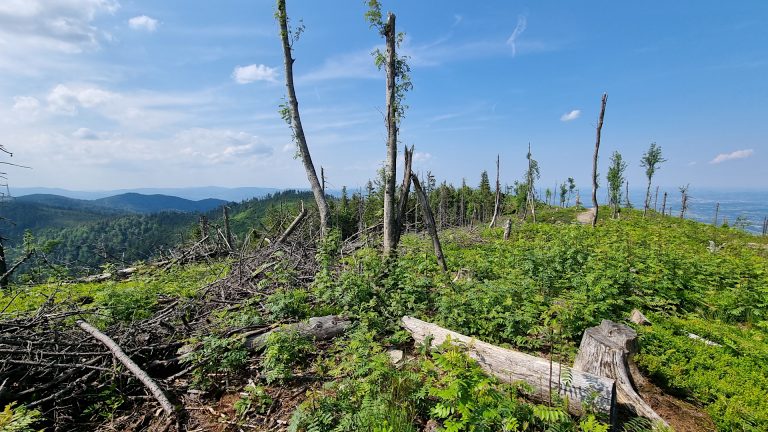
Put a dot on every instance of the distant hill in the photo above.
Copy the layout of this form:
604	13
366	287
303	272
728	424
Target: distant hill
138	203
192	193
124	203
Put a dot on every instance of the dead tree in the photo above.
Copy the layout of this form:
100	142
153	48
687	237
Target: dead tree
130	365
291	115
664	205
292	227
606	351
683	201
545	377
717	210
656	200
594	159
404	191
228	230
497	204
429	221
390	166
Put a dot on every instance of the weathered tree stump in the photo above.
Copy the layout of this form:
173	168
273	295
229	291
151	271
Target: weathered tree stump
316	328
606	351
582	389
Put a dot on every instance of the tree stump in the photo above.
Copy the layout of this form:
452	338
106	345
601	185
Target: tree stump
606	350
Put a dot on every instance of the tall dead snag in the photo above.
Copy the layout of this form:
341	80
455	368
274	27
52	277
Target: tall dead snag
583	389
404	191
717	210
390	167
683	200
606	350
291	115
498	196
228	230
594	160
664	205
429	221
123	358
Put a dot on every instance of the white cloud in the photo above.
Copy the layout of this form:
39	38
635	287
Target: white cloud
66	100
522	23
457	19
216	146
571	115
26	105
355	65
87	134
51	25
738	154
254	72
421	157
143	22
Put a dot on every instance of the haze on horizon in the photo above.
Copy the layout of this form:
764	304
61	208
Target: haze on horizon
108	94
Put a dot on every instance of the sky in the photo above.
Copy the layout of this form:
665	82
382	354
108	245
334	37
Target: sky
107	94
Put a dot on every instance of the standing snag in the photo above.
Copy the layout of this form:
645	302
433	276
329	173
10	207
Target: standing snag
290	113
650	161
615	180
497	204
594	160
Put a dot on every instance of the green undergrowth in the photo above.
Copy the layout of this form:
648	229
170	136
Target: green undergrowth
730	379
118	301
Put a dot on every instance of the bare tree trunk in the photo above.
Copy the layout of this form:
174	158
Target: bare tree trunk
498	196
717	210
390	166
429	220
292	227
3	266
626	192
404	191
322	179
594	160
765	226
664	205
295	121
130	365
507	229
647	198
656	200
228	230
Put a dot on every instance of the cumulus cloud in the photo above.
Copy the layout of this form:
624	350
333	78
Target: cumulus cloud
143	22
216	146
87	134
66	100
421	157
52	25
571	115
738	154
26	105
522	23
254	72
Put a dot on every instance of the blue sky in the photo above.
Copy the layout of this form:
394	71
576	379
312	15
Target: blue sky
103	94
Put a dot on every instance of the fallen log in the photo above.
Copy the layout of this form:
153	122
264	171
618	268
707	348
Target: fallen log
292	227
583	390
606	350
316	328
129	364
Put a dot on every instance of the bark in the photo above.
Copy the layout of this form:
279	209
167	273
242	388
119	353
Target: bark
717	209
295	120
664	204
316	328
594	160
507	229
606	350
390	166
429	220
130	365
292	227
404	191
513	366
498	196
656	199
647	197
3	266
228	230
